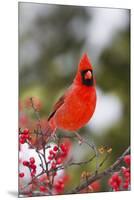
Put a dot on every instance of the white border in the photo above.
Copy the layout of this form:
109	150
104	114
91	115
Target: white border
9	96
104	3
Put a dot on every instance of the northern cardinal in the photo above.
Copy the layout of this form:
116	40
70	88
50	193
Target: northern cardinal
76	107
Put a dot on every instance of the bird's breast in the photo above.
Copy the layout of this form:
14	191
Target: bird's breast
77	109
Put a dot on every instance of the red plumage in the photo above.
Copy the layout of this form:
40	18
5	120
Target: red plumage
76	107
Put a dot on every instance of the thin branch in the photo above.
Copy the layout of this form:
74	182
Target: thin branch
106	172
35	110
81	163
103	161
65	136
36	149
83	141
43	143
41	164
34	178
74	163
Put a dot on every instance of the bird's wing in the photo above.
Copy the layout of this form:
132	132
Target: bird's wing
58	104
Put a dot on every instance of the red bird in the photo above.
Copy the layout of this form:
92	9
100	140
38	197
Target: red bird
76	107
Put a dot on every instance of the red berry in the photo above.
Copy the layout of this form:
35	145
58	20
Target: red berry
55	148
25	163
125	170
95	186
127	174
110	181
32	160
42	188
119	180
59	161
26	131
115	176
50	157
127	160
32	166
21	175
22	136
51	152
63	148
21	141
26	136
33	172
62	186
53	166
115	181
64	154
114	185
60	181
59	187
125	185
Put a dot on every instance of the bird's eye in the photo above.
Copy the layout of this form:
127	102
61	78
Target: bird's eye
88	75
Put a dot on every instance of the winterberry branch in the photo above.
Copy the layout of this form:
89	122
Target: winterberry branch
56	160
43	144
98	176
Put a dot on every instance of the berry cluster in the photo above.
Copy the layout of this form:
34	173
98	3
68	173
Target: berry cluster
122	181
42	188
24	136
31	165
127	160
21	175
126	172
43	179
115	181
57	155
59	186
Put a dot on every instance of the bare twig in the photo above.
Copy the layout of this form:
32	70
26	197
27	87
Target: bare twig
35	110
81	163
74	163
103	161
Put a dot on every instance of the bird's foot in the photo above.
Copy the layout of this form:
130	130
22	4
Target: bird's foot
80	139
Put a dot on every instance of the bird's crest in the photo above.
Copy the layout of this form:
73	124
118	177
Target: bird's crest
84	63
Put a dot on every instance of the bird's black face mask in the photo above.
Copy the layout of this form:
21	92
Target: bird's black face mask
87	77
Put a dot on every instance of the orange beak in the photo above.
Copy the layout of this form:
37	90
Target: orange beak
88	75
